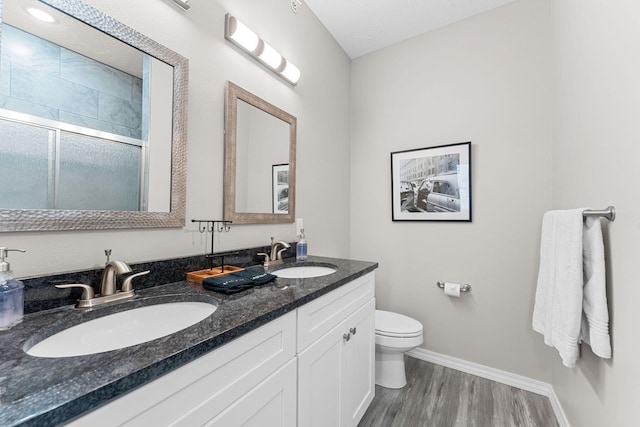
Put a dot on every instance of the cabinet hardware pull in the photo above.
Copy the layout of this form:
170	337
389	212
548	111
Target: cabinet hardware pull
353	331
346	337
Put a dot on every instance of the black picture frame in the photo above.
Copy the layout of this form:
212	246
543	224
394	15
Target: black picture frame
280	188
432	183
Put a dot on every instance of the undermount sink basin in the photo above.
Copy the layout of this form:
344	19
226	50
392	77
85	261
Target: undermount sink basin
123	329
304	271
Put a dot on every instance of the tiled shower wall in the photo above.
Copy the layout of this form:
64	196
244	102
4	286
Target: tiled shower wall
43	79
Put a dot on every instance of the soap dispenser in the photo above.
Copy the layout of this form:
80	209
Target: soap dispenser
301	247
11	293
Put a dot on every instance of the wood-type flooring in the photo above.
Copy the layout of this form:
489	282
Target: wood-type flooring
436	396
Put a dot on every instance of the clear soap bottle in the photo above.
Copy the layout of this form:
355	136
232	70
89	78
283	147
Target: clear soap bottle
301	247
11	294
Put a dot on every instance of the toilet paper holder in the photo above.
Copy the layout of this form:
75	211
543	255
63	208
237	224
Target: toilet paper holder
463	288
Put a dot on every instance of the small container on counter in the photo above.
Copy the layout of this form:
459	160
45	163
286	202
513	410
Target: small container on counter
11	293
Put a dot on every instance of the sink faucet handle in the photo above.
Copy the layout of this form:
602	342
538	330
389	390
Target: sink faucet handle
279	257
127	285
266	259
87	291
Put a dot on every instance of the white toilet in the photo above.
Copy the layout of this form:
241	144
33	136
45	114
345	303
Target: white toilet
395	335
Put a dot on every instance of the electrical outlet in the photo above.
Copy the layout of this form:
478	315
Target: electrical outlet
299	226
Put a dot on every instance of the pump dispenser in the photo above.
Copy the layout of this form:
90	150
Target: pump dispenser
301	247
11	293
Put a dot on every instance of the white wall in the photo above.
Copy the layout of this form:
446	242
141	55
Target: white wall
487	80
320	102
595	163
548	91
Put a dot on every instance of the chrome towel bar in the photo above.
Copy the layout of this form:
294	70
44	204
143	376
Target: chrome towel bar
608	213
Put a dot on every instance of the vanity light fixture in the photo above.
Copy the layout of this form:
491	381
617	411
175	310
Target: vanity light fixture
183	4
240	35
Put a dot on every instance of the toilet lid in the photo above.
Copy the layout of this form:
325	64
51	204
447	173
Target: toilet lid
396	325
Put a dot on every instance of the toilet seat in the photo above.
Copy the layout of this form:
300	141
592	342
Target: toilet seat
396	325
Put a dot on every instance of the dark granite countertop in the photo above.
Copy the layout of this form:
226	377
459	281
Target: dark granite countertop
49	391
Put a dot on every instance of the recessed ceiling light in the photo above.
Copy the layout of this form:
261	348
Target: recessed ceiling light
40	14
183	4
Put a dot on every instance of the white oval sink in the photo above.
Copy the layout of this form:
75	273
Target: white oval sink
304	271
123	329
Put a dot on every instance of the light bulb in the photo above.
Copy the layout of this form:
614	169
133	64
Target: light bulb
290	72
242	35
270	56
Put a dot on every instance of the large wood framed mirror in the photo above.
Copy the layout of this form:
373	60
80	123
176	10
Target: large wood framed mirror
93	122
259	160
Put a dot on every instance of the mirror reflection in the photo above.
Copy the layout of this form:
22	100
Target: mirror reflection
86	112
91	119
262	157
259	160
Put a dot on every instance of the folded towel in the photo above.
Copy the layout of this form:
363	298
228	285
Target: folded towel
256	275
595	316
227	284
557	312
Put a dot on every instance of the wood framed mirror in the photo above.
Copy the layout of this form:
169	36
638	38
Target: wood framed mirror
259	160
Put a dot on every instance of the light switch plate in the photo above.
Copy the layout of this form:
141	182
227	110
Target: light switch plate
299	226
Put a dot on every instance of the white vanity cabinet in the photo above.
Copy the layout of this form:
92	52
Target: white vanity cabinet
336	356
251	382
311	367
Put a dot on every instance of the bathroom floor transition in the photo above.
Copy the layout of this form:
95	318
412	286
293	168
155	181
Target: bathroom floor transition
436	396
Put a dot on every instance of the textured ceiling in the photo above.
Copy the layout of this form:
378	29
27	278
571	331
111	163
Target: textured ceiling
364	26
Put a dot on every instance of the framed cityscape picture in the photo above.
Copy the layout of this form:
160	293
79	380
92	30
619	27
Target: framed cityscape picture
432	183
280	182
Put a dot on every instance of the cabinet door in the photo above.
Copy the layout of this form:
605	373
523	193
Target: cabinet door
358	365
319	381
336	373
271	403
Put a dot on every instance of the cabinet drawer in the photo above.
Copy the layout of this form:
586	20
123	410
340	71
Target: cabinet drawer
323	314
206	386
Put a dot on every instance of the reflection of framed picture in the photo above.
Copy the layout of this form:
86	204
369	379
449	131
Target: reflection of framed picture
432	184
280	184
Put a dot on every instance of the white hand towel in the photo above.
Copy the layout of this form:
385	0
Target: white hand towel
557	311
595	316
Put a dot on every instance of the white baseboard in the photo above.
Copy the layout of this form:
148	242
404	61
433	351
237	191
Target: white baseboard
503	377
